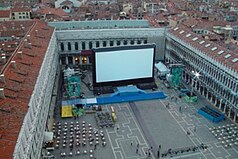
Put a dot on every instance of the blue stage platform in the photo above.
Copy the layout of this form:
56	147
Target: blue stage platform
123	94
211	114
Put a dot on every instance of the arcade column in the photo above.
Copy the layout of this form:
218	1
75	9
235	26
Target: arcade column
73	59
224	109
229	114
235	116
66	59
220	104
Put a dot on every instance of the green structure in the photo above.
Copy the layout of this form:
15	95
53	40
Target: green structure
176	75
78	112
73	87
190	97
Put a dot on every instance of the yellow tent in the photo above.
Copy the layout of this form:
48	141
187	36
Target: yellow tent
66	111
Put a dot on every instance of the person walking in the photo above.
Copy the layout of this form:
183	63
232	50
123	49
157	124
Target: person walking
158	154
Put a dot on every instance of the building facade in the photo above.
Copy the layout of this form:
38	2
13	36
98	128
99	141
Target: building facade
218	81
30	139
73	42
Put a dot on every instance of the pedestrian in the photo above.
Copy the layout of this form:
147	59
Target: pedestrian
159	147
180	109
158	154
151	148
194	129
136	150
95	146
138	145
131	143
149	154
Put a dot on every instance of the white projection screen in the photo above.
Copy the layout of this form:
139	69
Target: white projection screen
124	63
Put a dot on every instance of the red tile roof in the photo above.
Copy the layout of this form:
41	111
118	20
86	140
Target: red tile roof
19	85
20	9
15	30
206	47
56	11
4	13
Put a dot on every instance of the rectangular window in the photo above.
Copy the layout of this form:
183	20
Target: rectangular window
97	43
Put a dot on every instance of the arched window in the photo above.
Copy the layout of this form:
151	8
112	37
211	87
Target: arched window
145	41
76	45
62	46
83	45
118	42
138	42
90	45
132	42
125	42
69	46
104	43
97	43
111	43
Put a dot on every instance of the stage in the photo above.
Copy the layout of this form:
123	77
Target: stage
123	94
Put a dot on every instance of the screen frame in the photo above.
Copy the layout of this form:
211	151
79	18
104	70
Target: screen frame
127	81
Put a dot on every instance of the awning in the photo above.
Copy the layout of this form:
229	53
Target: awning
86	52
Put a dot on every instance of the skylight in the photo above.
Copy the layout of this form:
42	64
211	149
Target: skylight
207	45
175	28
188	35
181	32
201	42
214	48
194	39
227	56
220	52
235	60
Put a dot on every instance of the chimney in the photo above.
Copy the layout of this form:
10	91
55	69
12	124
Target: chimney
2	78
36	33
25	42
19	54
14	64
29	45
3	58
28	37
2	96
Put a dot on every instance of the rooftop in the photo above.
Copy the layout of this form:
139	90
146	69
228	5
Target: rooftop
101	24
209	48
18	78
